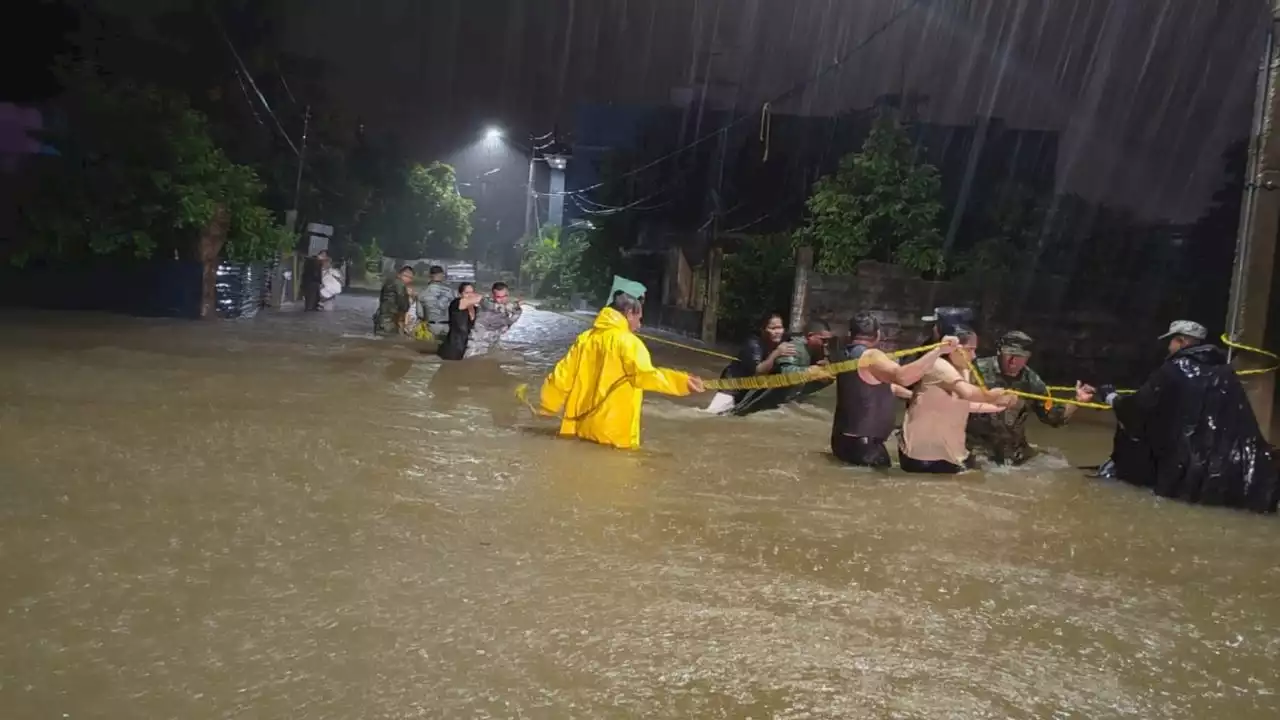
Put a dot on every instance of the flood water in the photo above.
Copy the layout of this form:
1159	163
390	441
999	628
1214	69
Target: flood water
278	518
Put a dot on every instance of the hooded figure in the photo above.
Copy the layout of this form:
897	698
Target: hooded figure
599	384
1189	433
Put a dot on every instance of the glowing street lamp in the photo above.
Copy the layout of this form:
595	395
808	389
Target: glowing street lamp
493	134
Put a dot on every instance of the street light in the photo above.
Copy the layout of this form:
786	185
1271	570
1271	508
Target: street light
493	134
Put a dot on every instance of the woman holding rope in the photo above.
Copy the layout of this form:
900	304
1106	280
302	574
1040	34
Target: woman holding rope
932	439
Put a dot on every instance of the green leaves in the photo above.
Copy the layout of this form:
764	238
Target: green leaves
138	173
425	215
880	204
552	263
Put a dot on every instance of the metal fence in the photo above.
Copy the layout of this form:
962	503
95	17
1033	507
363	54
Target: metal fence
243	289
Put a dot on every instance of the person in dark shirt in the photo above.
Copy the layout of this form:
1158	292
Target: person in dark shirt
462	316
769	353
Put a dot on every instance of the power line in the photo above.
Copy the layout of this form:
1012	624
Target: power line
261	98
781	97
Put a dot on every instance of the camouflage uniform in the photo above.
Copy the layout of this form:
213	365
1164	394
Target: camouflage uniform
1002	436
492	321
393	303
435	299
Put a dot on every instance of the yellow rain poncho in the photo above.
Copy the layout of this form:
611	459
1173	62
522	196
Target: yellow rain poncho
599	385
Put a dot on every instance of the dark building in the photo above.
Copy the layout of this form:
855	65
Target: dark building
754	176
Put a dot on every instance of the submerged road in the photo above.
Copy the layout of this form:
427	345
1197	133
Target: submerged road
280	518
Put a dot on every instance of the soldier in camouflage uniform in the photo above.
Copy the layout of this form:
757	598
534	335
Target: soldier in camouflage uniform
495	316
393	303
1002	437
435	299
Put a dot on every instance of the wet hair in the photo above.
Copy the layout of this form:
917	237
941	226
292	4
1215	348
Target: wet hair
435	270
818	326
626	304
963	333
498	286
406	268
462	287
764	321
864	325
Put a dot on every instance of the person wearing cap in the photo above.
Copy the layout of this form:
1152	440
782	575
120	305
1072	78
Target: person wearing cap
943	321
597	389
1189	432
394	301
434	302
1002	437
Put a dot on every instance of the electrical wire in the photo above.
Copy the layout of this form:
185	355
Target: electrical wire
261	98
781	97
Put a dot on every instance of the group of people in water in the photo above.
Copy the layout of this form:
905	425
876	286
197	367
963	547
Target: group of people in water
1188	433
951	419
460	321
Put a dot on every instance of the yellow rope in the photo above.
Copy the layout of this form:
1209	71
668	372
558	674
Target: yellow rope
767	382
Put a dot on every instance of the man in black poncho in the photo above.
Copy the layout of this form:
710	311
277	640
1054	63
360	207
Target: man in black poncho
1189	433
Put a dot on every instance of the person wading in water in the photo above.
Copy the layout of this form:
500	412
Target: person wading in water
1189	432
462	316
599	384
932	439
393	303
865	399
766	354
434	301
1002	437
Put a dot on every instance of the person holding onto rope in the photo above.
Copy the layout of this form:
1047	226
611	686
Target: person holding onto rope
1189	433
932	437
599	385
769	353
1002	437
865	406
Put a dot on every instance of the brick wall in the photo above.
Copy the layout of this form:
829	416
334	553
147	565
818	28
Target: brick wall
1091	342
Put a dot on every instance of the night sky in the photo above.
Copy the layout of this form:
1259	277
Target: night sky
1146	92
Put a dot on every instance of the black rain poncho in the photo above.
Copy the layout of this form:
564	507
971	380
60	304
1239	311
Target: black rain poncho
1190	434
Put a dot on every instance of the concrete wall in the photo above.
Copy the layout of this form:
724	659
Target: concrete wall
1093	345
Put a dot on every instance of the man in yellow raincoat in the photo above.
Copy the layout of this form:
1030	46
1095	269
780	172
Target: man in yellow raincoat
599	385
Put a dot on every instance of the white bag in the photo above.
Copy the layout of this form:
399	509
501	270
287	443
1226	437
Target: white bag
330	284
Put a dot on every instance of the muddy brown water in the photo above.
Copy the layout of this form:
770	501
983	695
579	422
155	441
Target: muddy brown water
278	518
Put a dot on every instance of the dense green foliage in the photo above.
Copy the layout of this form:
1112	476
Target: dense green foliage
881	204
552	263
424	215
756	279
138	174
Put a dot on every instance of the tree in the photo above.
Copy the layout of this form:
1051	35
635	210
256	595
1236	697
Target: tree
139	175
880	204
425	215
755	279
552	263
1010	232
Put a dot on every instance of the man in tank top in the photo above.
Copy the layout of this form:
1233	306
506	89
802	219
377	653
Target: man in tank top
865	404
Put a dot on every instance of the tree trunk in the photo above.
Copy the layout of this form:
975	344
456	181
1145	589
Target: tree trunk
212	238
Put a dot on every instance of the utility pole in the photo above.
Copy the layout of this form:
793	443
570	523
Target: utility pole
529	198
1253	274
289	257
302	157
